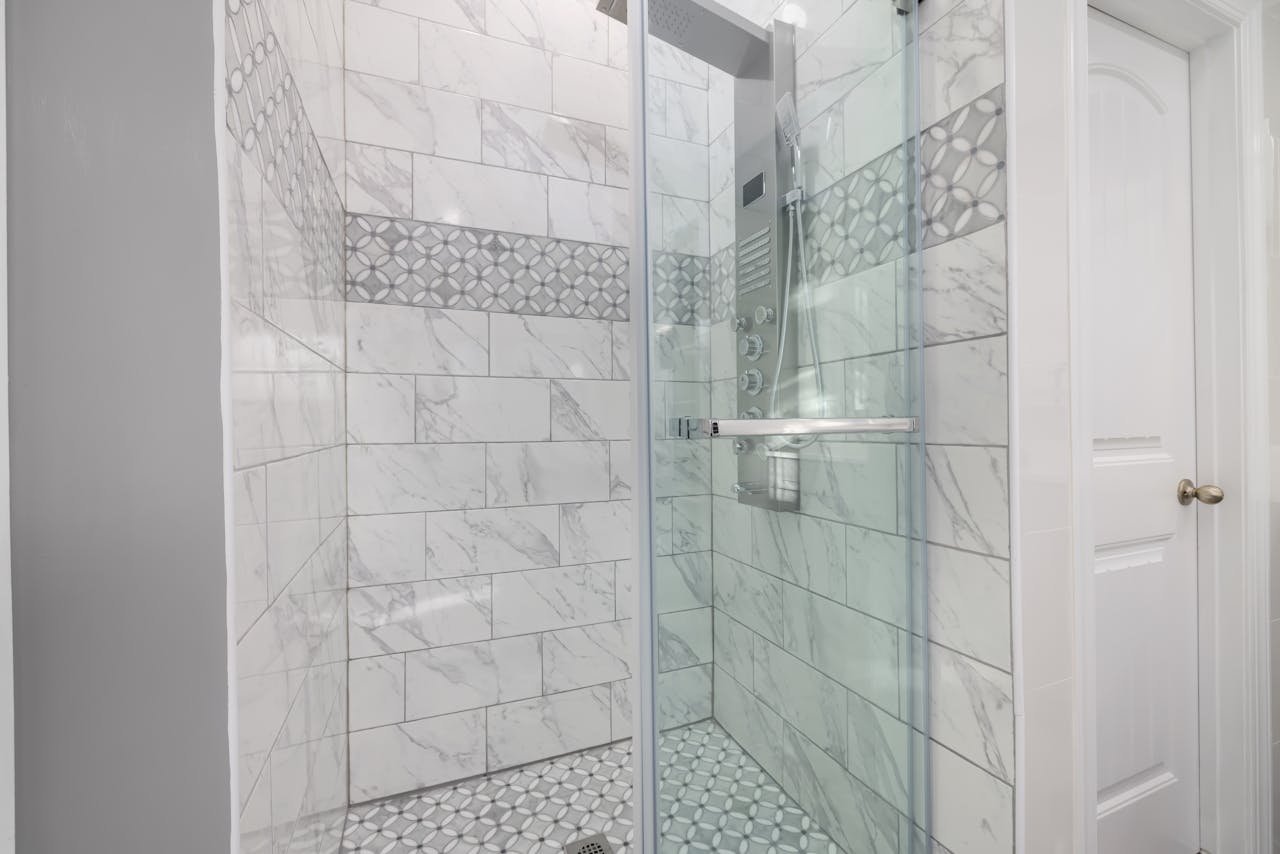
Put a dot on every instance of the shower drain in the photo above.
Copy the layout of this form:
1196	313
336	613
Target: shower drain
598	844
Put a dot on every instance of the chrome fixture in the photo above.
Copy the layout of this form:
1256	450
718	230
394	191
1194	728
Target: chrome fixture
705	30
715	428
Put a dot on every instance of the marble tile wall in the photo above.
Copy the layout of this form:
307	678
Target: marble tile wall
284	229
813	647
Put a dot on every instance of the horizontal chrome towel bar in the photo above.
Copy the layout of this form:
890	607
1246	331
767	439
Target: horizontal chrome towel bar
715	428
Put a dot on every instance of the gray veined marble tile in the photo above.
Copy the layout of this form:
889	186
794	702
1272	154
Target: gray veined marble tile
590	409
586	655
971	710
482	409
553	347
620	697
679	169
622	470
377	691
379	408
400	339
522	473
691	523
967	392
620	347
402	758
617	157
405	617
380	42
470	193
547	599
758	728
686	112
686	225
467	14
880	752
973	811
965	287
484	67
852	482
801	549
961	57
408	478
594	213
733	648
806	698
671	63
969	604
468	676
684	639
682	581
750	596
590	91
878	573
681	467
857	316
481	542
548	726
595	531
967	498
535	141
392	114
385	549
560	28
853	47
379	180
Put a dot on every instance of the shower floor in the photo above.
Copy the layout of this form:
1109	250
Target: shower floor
712	797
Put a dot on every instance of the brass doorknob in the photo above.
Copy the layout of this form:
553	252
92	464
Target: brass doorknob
1188	492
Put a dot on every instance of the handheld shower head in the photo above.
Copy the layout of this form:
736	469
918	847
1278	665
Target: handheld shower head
788	121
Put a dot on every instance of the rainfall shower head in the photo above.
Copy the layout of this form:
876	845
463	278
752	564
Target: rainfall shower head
706	30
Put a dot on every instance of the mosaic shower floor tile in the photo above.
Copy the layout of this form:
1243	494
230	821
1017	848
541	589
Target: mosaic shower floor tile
713	797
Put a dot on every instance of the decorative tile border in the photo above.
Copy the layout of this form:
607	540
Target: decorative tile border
681	289
265	114
405	262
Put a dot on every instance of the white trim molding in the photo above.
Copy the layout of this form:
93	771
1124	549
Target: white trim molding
1047	46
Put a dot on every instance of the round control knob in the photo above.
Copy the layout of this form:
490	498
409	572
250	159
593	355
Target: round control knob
741	323
764	314
751	381
751	347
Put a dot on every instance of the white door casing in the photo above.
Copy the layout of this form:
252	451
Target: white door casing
1141	364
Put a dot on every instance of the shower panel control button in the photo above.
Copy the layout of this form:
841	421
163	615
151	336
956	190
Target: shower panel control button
741	324
751	381
751	347
765	314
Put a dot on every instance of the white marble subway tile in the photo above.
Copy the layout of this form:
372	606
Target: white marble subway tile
376	687
733	648
691	523
521	473
392	114
590	409
480	196
618	45
876	386
682	581
467	63
662	526
617	157
965	284
755	726
379	408
853	482
586	655
801	549
961	58
624	589
969	608
540	600
972	811
971	710
723	212
620	345
553	26
405	617
880	752
590	91
593	213
401	758
293	490
842	57
409	478
482	409
385	549
483	542
671	63
719	103
381	42
684	696
523	731
807	699
873	113
858	651
471	675
856	817
379	180
468	14
596	531
684	639
556	347
857	316
878	574
678	168
620	696
401	339
731	528
622	470
535	141
967	498
681	467
679	352
749	596
720	164
966	392
686	112
822	141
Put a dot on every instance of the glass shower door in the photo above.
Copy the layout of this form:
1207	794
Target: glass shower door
783	705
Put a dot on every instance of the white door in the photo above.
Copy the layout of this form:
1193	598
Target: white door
1142	405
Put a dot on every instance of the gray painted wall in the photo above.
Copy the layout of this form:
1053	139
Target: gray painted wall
118	553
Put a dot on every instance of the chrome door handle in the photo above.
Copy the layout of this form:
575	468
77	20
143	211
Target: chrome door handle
715	428
1207	494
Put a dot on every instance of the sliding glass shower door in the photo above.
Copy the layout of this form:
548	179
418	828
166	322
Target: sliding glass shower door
785	705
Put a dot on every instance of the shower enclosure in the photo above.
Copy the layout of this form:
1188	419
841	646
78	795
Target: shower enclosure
782	699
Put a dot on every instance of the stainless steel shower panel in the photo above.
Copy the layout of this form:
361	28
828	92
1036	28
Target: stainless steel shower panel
706	30
762	170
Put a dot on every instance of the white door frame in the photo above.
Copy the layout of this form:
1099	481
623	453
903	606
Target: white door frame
1224	40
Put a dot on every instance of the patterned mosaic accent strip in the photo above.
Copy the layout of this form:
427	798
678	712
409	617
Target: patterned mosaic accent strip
712	797
405	262
265	114
681	289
